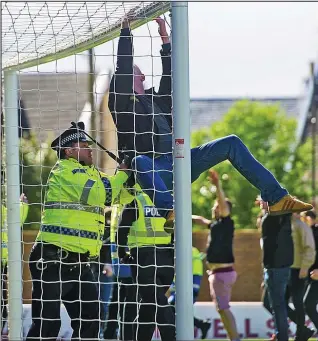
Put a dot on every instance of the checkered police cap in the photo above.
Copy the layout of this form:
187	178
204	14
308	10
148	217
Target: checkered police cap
72	134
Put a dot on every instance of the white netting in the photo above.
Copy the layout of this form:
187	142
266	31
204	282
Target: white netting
34	33
37	32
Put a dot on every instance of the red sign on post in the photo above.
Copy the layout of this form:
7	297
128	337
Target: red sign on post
179	148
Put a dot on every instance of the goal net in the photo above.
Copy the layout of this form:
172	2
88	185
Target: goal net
58	59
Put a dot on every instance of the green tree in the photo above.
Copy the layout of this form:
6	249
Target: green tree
270	135
37	161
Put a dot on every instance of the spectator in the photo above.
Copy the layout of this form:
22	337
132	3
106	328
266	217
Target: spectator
311	297
304	256
278	256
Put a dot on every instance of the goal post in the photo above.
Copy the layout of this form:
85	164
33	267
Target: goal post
35	33
182	170
12	203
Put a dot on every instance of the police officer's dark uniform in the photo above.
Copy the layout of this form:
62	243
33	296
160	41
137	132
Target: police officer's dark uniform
71	232
152	266
122	310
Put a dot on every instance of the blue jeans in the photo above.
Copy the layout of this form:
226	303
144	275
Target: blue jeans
276	281
106	284
155	175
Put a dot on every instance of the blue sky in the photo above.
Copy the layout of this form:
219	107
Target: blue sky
236	49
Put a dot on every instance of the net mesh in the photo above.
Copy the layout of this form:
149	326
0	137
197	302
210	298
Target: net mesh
34	33
37	32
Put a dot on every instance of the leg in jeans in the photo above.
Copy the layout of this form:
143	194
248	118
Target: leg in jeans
105	290
202	158
265	300
294	290
311	300
110	332
276	281
233	149
155	178
267	305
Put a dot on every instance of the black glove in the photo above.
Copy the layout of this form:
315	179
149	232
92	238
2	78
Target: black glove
130	183
127	259
121	252
127	160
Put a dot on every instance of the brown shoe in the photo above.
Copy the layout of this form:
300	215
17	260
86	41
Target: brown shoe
289	204
169	224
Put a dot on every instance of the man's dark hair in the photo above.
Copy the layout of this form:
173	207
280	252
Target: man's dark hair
311	214
61	151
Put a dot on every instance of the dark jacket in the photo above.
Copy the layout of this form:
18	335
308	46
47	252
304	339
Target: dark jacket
133	119
278	247
315	233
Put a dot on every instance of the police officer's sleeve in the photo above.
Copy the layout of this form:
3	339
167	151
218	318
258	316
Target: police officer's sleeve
24	210
129	215
126	196
113	185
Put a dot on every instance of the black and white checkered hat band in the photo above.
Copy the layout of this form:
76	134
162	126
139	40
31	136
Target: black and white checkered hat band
73	137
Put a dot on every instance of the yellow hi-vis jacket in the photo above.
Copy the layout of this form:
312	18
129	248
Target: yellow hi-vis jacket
24	209
125	197
73	216
197	265
148	229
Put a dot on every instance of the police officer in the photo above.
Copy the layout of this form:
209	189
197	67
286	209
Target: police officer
152	265
24	209
71	233
124	295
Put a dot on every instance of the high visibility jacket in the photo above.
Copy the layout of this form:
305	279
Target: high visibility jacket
197	270
125	197
148	229
24	209
197	265
73	215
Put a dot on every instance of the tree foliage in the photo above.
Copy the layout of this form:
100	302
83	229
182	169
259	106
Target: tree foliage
270	136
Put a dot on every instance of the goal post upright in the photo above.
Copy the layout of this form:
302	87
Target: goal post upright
182	170
13	204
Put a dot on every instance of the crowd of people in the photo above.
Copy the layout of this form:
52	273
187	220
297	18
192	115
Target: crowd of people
140	230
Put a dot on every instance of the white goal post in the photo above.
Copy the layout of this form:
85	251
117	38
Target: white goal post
34	33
